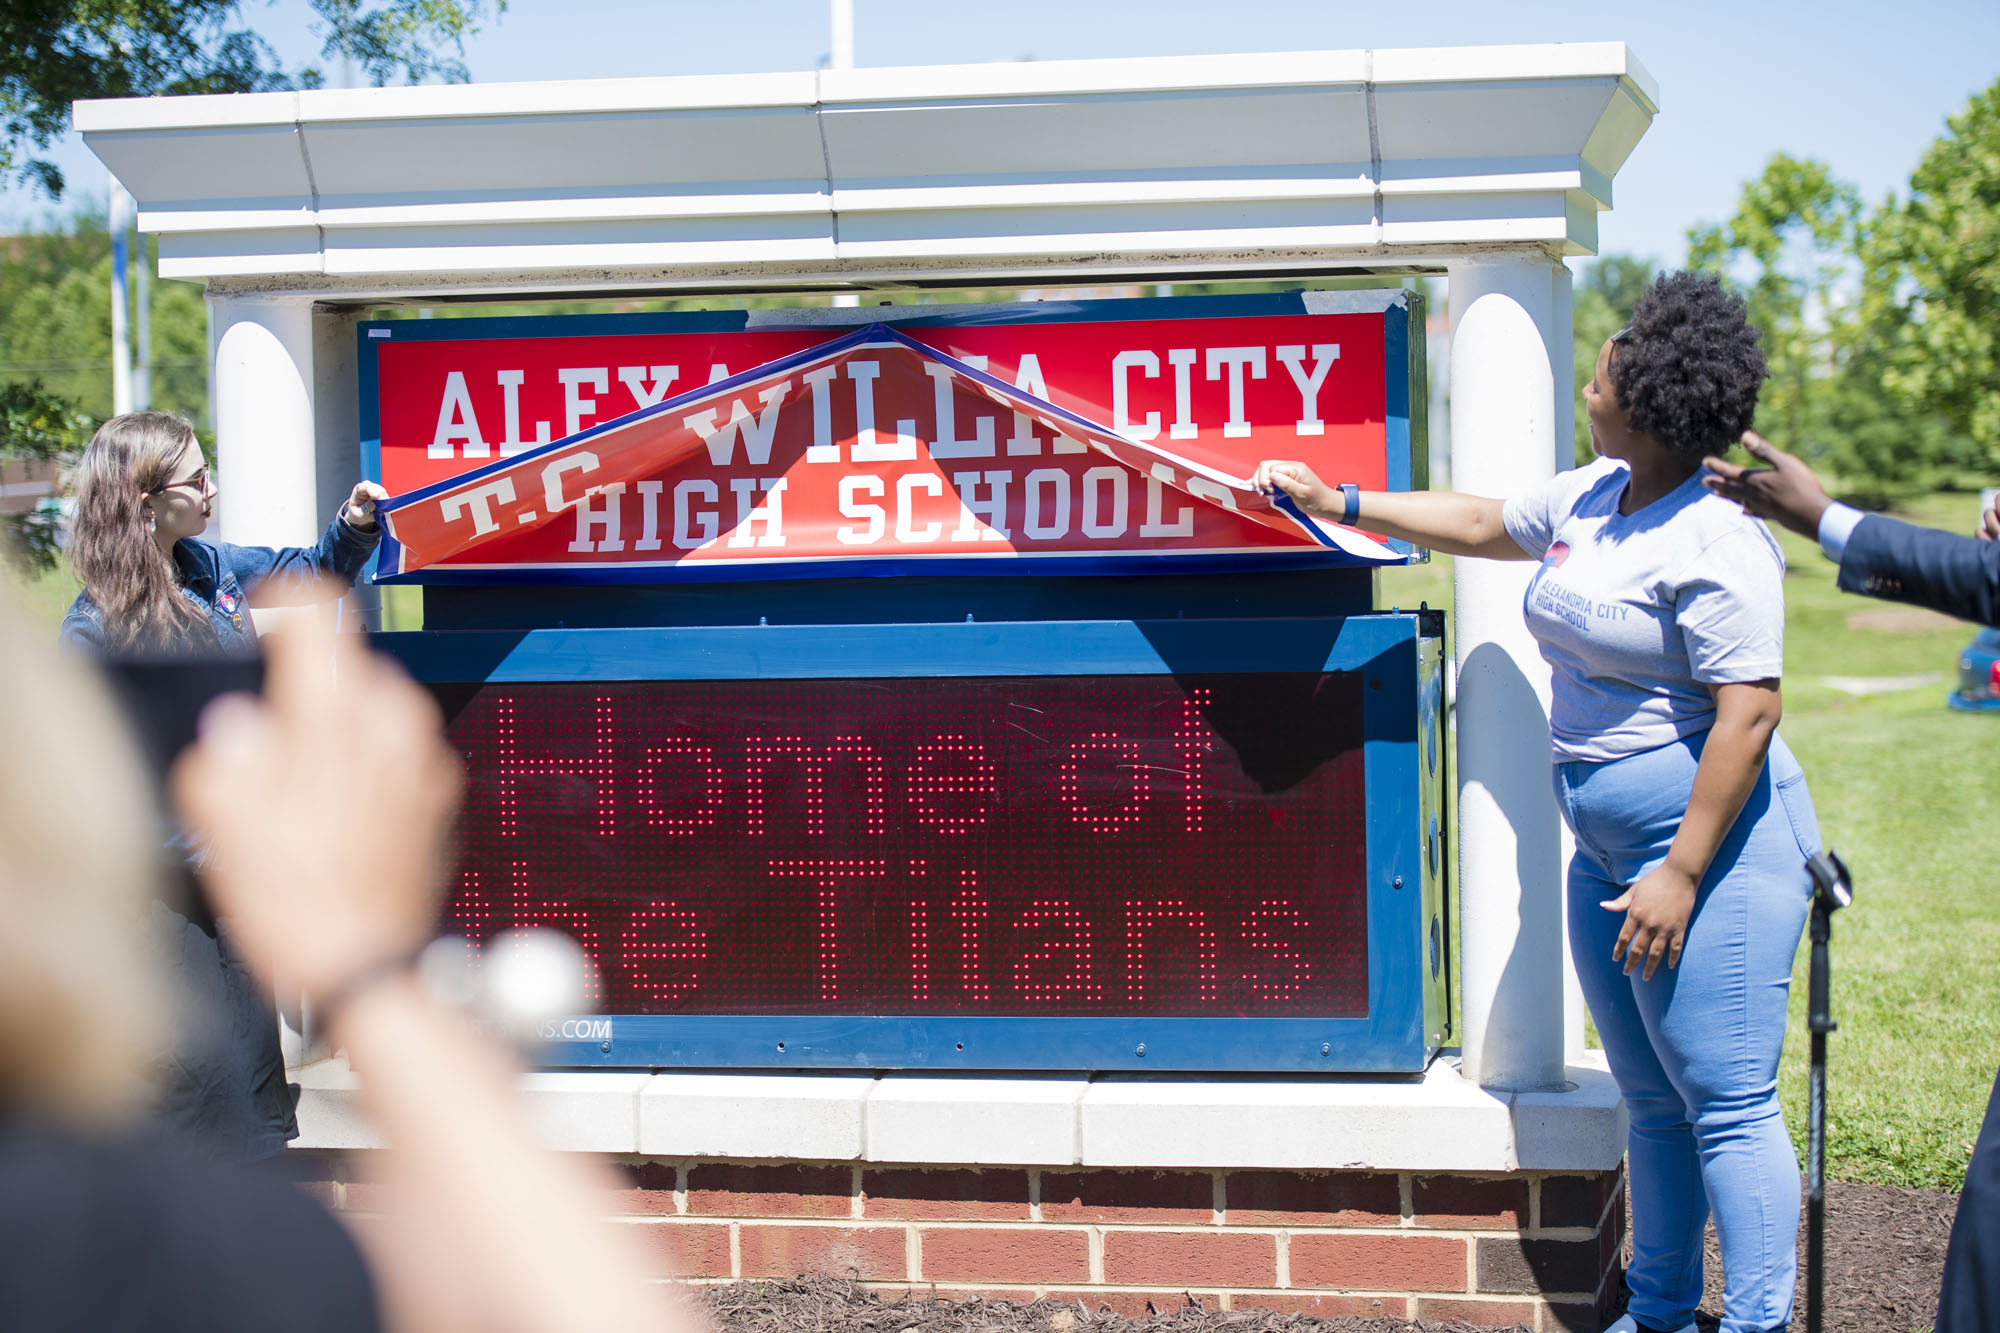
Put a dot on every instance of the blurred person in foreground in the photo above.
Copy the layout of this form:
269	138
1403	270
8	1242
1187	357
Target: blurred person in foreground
104	1230
1884	557
153	587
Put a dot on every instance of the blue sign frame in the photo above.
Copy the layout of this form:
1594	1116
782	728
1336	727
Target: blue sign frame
1400	656
1405	405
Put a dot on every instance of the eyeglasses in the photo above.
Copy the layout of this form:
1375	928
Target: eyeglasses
1623	335
199	481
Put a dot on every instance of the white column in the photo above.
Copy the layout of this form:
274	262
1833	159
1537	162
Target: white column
1561	333
263	387
1503	375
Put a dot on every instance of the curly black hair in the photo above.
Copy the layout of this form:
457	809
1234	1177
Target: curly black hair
1688	368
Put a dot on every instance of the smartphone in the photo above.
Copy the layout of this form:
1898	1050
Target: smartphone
162	699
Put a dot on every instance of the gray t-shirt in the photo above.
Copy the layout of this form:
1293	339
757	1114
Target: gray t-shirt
1639	613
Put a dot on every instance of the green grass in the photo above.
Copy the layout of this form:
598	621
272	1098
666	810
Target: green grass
1909	793
41	600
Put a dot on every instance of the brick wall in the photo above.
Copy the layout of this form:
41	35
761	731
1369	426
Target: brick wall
1536	1248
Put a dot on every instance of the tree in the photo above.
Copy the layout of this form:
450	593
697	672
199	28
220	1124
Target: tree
1600	304
36	424
1938	289
55	322
53	52
1795	236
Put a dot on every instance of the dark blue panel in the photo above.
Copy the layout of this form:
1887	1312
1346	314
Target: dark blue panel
1393	1037
820	652
1282	1045
1273	593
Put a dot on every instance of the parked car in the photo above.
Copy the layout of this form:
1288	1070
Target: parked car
1979	674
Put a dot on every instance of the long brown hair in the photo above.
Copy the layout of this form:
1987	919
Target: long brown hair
123	569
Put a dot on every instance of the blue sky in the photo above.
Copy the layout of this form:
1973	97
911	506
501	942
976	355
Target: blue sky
1863	86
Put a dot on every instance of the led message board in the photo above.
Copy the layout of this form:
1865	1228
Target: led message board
994	449
1192	844
1058	845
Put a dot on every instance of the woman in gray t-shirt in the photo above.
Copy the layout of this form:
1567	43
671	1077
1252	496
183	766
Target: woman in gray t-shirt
1660	609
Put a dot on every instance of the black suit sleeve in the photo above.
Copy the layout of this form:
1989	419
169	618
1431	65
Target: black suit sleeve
1959	576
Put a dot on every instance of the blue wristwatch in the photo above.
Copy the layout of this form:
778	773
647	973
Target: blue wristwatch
1350	512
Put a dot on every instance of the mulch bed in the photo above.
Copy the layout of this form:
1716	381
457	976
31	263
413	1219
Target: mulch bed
1885	1254
1884	1259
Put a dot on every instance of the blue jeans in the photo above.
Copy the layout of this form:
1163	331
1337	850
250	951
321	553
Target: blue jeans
1695	1050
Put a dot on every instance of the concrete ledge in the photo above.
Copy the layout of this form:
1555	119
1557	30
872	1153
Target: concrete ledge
1436	1123
812	1117
1018	1121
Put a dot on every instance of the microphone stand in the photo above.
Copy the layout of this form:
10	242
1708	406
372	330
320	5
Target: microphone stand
1833	889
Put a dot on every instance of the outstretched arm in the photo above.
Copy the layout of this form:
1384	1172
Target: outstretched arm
1879	556
1443	521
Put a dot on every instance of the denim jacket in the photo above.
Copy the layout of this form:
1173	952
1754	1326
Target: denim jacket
223	578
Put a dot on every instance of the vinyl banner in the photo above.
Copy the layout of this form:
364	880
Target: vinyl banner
1076	445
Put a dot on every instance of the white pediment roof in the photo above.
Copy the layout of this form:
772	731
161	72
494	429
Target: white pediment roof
1162	165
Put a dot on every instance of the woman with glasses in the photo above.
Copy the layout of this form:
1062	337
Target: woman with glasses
1660	609
151	585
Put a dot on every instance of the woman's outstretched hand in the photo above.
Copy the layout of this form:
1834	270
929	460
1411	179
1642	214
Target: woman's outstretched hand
1656	910
359	511
1298	481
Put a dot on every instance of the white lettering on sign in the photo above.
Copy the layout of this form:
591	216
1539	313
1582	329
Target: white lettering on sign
510	404
692	530
552	480
1308	382
479	502
634	379
981	520
456	422
907	486
1056	523
902	447
1121	394
649	528
1094	481
590	515
1157	480
1024	442
575	406
1234	359
1182	360
851	488
757	432
768	513
822	449
947	444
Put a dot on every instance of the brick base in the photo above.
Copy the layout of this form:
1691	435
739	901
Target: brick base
1535	1248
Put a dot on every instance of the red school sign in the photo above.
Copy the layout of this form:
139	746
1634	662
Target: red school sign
1084	437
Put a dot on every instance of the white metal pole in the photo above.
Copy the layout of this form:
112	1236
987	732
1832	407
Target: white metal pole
142	321
1510	868
121	347
840	17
